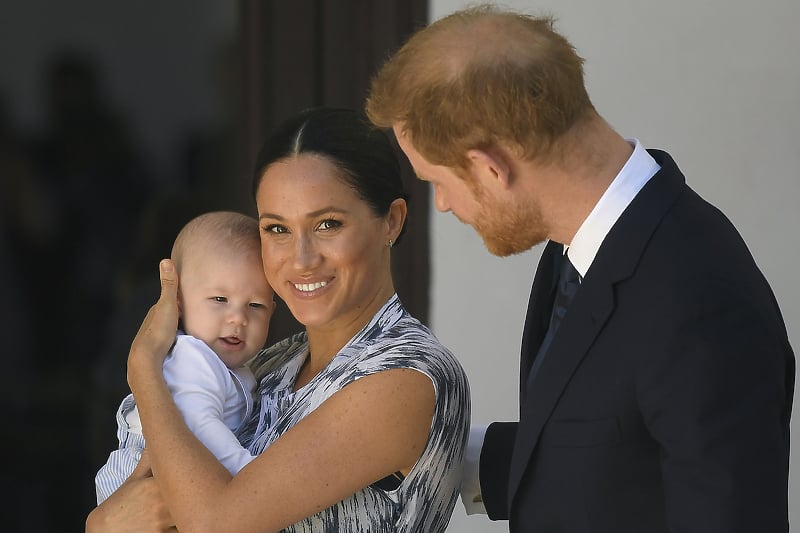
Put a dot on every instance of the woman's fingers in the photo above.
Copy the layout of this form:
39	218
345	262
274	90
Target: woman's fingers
169	281
142	469
135	507
157	332
163	316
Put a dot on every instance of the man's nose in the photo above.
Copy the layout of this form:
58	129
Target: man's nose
439	200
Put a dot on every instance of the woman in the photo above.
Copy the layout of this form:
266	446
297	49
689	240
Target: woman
363	417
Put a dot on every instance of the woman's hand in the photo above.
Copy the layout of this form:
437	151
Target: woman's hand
136	507
157	332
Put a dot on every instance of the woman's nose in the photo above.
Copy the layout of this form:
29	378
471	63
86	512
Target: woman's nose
306	255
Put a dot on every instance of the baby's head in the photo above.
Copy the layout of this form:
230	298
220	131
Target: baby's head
223	295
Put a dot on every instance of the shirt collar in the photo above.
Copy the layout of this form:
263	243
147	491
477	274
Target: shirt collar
636	172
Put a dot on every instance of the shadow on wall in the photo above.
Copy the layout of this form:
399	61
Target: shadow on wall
83	222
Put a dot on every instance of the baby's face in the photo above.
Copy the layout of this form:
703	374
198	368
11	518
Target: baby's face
227	303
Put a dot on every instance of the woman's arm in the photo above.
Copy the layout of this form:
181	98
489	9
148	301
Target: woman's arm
375	426
137	505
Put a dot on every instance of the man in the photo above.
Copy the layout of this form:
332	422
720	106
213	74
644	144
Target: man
658	396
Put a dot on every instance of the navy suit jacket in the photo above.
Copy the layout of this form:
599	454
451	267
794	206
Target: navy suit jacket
664	401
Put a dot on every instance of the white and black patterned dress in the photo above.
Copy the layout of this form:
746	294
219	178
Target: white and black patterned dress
424	500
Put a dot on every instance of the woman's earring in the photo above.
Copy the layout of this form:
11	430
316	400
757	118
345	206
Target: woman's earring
391	243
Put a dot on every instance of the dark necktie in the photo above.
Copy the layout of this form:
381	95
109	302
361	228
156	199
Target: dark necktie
568	283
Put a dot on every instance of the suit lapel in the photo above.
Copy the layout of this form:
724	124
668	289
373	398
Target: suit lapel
615	261
587	315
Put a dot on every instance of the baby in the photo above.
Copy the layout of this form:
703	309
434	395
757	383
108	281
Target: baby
225	307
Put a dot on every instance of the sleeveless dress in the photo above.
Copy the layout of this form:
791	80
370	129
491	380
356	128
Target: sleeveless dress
424	500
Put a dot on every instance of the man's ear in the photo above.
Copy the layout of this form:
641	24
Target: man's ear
491	164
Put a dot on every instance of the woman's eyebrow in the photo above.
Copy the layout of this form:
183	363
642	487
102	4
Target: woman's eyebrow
312	214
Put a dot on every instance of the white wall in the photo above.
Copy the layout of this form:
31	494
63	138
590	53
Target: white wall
715	83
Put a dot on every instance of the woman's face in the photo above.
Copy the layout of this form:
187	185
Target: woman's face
324	250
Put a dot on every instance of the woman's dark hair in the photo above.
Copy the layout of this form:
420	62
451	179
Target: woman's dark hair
363	153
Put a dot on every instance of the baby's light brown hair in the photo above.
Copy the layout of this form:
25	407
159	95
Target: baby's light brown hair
216	232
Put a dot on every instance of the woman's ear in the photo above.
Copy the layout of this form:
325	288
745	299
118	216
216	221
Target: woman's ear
396	218
491	165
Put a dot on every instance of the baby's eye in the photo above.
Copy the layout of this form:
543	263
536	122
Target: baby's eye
220	299
257	305
329	224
